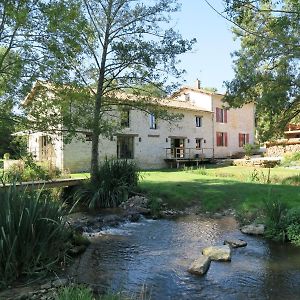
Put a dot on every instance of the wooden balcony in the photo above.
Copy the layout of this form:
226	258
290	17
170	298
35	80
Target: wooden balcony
182	155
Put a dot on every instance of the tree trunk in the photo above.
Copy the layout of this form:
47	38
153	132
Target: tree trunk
97	109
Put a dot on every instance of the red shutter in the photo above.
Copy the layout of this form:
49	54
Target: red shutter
226	139
247	138
225	115
219	138
217	114
240	140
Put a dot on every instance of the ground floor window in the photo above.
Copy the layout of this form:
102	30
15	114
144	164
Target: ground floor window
199	142
243	139
222	139
125	145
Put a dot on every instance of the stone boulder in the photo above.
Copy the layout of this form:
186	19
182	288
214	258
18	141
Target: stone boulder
235	243
138	204
254	229
218	253
200	266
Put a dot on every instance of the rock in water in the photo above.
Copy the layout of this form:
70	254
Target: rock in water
221	253
235	243
200	266
254	229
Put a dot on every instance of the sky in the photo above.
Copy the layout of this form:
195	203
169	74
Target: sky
210	60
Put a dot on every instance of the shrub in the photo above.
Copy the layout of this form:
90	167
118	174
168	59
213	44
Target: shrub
290	159
32	236
30	171
275	211
293	225
6	156
250	149
115	180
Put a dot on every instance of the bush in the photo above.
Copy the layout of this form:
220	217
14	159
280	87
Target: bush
115	180
291	159
30	171
250	149
275	211
32	236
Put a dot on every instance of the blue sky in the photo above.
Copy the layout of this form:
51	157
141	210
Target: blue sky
210	60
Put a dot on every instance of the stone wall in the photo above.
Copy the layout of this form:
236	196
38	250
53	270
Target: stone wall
280	150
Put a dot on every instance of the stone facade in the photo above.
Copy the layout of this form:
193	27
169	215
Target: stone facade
280	148
149	147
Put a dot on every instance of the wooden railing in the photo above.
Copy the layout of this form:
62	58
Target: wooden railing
189	153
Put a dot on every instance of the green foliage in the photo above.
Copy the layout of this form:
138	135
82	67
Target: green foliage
6	156
78	292
291	159
29	170
250	149
275	211
264	74
114	181
32	236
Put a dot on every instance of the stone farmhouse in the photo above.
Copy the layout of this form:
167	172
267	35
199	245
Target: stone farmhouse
207	130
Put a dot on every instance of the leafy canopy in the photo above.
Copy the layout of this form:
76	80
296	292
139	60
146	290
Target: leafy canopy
267	65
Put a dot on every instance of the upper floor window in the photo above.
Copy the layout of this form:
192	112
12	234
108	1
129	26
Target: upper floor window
198	121
187	97
125	118
153	123
243	139
222	139
221	115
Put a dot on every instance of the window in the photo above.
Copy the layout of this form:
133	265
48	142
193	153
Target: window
198	121
199	143
124	115
187	97
153	124
243	139
221	115
125	147
222	139
88	136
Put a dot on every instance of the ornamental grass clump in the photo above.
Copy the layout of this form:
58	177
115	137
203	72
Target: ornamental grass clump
115	180
33	237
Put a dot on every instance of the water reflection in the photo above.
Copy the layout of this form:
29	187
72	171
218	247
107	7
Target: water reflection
158	253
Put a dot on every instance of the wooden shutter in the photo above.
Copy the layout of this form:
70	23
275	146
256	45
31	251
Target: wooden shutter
219	138
240	140
225	116
226	139
217	114
247	138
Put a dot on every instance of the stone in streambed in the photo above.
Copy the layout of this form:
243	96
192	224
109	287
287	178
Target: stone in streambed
254	229
235	243
218	253
200	266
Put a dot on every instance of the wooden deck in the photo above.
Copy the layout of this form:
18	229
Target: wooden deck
35	185
192	156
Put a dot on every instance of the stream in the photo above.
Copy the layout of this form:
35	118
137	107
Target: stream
157	253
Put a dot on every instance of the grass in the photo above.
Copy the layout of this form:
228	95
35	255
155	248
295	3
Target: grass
218	188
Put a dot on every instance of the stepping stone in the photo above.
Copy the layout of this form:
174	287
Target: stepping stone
218	253
254	229
235	243
200	266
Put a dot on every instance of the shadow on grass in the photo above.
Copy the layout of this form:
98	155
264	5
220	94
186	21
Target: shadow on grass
217	194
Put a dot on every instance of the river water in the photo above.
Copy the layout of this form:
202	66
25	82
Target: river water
157	253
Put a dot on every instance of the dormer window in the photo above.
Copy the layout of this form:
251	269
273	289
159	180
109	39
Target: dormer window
187	97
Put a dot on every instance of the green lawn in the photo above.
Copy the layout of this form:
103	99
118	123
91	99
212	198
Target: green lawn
217	188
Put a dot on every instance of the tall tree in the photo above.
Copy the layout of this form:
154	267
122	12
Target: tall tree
267	65
124	45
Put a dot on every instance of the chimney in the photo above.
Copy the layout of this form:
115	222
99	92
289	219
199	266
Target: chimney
198	84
